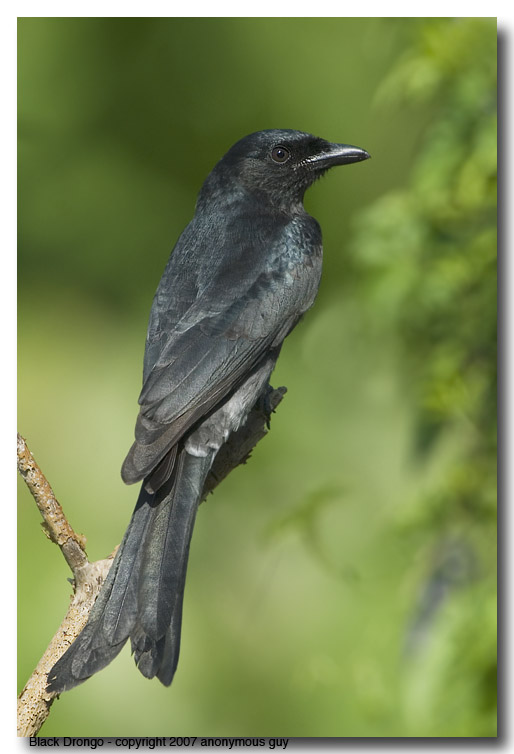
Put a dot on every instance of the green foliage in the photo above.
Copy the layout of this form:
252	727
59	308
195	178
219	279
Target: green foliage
426	256
342	583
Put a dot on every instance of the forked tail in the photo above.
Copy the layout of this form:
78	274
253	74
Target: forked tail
143	593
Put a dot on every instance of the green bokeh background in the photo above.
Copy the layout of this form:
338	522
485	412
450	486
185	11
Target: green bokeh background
342	583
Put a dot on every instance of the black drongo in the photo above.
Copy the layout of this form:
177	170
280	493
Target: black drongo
242	274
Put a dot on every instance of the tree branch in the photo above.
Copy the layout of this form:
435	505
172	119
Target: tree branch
35	701
55	522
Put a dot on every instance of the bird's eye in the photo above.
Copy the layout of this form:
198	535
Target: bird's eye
280	154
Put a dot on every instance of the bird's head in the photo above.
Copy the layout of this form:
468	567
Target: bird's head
279	165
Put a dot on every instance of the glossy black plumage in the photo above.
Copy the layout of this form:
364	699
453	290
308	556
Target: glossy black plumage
241	275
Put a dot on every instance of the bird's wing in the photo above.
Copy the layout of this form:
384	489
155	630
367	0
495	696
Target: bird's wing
207	333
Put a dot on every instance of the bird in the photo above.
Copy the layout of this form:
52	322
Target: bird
242	274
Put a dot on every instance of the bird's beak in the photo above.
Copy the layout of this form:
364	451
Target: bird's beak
339	154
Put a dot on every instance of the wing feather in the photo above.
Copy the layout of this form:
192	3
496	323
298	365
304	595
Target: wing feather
206	335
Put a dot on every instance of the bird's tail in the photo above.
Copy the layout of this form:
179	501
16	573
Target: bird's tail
143	592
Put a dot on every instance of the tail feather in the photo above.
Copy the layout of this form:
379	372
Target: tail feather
113	614
160	658
143	593
156	636
164	565
121	608
171	648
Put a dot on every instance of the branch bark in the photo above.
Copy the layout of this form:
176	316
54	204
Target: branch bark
34	702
